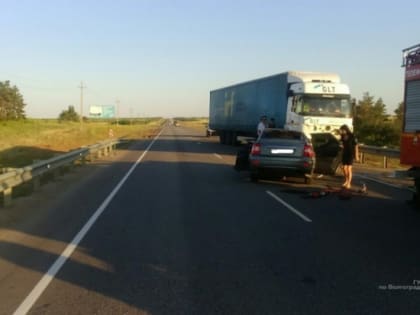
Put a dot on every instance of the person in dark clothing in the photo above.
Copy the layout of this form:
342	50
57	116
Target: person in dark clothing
272	123
350	153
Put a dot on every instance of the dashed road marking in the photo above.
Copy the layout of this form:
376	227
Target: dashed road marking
291	208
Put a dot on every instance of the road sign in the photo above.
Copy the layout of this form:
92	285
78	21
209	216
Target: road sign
102	111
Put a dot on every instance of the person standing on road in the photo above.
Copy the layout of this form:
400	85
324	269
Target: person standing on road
262	125
350	152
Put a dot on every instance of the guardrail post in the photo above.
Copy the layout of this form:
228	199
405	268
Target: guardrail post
362	158
91	157
385	161
7	197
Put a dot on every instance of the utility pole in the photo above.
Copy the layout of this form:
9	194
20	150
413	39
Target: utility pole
81	87
118	109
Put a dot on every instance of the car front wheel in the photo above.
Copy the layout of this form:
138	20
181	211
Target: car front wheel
254	177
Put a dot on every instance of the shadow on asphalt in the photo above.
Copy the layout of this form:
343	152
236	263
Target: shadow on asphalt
209	243
190	135
201	145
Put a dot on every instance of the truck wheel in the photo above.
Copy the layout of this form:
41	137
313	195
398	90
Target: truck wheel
222	137
234	138
416	196
253	177
228	138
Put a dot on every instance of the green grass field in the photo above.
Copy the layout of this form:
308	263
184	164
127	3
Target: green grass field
24	141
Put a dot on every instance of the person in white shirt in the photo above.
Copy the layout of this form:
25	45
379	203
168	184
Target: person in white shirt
261	125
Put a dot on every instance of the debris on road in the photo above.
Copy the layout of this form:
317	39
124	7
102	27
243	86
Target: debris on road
342	193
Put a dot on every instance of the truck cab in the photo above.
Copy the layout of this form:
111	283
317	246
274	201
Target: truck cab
318	103
410	137
410	140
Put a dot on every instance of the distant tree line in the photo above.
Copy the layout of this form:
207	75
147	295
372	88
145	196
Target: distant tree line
373	126
12	106
371	123
69	114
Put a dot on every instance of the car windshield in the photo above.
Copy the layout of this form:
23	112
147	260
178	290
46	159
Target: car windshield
319	105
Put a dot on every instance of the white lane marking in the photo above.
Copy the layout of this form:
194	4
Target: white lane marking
218	156
284	203
40	287
380	182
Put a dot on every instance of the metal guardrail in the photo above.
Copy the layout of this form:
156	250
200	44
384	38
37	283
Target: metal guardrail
386	153
34	172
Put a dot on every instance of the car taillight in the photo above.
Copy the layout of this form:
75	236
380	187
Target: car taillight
256	149
308	151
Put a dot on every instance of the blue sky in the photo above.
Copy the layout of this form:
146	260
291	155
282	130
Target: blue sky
162	57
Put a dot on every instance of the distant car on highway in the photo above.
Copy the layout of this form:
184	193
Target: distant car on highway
279	152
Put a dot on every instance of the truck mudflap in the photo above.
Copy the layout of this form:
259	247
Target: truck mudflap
413	173
328	153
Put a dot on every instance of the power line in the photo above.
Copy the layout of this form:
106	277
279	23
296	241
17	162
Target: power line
81	87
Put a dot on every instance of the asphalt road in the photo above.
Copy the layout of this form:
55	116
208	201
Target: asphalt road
186	234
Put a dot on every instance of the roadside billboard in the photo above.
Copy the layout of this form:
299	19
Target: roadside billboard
102	111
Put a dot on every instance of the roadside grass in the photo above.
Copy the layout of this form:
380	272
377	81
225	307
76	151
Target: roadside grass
23	142
378	161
